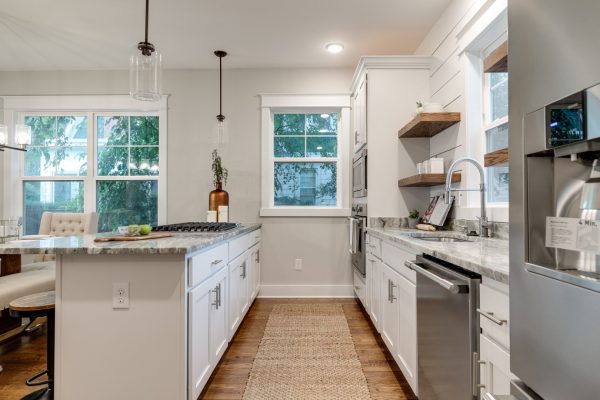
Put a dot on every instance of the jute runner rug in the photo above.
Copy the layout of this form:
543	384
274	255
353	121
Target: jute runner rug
306	353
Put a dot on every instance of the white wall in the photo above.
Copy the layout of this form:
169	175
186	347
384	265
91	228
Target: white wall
193	105
459	28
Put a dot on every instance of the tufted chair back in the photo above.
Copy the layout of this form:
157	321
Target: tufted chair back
67	224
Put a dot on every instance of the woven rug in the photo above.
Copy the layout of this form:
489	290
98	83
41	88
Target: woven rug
307	353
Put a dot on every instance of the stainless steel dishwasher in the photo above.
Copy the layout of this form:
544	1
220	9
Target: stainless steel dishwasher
447	330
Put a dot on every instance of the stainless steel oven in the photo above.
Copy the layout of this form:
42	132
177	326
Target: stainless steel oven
359	174
358	226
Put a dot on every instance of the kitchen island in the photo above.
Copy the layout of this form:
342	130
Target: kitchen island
147	319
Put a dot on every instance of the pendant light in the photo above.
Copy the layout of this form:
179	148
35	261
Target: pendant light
22	137
220	131
145	70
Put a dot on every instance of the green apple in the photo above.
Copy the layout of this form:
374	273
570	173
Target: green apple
145	229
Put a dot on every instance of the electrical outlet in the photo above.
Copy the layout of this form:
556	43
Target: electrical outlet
121	295
298	264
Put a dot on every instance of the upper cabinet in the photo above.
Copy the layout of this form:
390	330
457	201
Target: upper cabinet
359	107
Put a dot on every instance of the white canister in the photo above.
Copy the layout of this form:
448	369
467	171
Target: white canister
426	167
223	213
419	168
211	216
436	165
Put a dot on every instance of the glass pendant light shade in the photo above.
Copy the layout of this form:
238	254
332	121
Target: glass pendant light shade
3	135
145	76
22	135
220	133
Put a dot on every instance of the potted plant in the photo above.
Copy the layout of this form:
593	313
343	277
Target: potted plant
419	107
413	218
218	197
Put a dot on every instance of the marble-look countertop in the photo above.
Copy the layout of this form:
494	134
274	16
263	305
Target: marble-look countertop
180	243
487	257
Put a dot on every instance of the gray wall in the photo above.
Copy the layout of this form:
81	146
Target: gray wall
193	105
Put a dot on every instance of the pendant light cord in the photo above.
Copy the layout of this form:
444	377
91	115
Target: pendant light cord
220	86
147	13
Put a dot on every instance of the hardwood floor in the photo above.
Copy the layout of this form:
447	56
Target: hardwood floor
383	376
23	357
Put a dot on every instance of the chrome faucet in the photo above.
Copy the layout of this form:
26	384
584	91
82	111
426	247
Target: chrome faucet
483	221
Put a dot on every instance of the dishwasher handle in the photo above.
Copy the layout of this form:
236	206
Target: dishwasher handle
450	286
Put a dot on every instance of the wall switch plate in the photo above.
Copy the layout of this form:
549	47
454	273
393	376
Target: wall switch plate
298	264
121	295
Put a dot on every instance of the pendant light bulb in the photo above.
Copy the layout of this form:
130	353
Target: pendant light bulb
3	135
145	69
220	134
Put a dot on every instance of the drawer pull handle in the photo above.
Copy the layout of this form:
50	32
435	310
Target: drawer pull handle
491	317
372	246
216	262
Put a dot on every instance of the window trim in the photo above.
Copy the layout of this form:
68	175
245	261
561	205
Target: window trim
16	107
304	103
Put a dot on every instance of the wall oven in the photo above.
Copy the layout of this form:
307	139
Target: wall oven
359	174
358	227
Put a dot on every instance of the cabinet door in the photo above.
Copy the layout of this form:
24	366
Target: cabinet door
362	131
219	334
244	284
233	306
201	300
494	368
389	308
406	349
254	272
375	292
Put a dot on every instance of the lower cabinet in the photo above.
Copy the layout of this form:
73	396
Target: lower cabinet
494	367
254	272
208	333
373	290
239	298
398	315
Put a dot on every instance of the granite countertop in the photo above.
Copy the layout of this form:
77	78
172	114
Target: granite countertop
180	243
488	257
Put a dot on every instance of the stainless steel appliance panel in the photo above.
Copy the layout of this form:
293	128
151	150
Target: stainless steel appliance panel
359	174
358	232
447	330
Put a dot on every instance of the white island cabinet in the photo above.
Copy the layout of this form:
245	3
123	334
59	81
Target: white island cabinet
171	334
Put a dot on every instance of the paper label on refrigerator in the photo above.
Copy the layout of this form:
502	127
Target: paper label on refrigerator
573	234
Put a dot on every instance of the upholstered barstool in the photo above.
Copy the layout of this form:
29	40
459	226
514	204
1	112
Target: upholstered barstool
35	306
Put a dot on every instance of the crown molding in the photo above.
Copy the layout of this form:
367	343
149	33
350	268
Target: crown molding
388	62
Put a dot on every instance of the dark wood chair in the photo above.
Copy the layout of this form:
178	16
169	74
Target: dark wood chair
35	306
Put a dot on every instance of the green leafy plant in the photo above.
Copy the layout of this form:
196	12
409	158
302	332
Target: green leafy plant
219	173
419	104
414	214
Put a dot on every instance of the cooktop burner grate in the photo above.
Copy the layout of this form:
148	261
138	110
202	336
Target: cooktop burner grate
196	227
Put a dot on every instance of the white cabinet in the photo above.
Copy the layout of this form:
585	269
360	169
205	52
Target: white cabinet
398	313
254	272
360	114
360	289
494	367
494	344
207	330
374	289
238	292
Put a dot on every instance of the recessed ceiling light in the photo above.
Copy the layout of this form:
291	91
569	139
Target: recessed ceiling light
334	48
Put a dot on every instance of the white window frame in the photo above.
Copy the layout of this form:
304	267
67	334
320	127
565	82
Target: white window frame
17	107
305	103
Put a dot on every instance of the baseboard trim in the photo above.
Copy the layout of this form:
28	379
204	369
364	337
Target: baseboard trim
306	291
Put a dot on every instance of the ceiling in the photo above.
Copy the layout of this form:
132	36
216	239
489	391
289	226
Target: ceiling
85	34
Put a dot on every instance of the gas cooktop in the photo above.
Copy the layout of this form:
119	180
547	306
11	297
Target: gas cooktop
196	227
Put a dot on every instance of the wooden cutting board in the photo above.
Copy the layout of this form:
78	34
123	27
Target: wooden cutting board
132	238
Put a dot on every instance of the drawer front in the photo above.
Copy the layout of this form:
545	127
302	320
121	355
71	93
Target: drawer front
494	314
239	245
255	237
374	246
395	257
205	264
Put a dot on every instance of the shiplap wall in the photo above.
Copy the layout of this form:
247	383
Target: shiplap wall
462	23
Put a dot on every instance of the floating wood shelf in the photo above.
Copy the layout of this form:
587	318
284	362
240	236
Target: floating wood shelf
497	61
426	180
495	157
429	124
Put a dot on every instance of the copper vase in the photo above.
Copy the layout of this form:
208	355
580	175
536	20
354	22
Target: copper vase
218	197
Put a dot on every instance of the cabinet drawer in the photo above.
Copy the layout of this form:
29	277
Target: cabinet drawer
395	257
374	246
205	264
254	237
360	289
494	314
239	245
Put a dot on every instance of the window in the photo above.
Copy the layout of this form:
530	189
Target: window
495	98
82	161
304	154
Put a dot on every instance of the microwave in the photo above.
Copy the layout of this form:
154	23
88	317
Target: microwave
359	174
